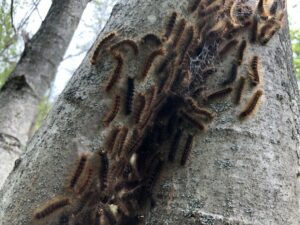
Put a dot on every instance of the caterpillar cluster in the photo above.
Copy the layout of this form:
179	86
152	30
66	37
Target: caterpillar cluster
144	130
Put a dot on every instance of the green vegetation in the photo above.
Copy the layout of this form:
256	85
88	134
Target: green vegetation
295	38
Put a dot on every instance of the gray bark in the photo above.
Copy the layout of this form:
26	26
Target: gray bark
238	172
30	80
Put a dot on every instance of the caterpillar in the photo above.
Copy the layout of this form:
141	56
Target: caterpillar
170	26
197	109
104	41
241	50
87	182
179	31
273	8
261	9
125	42
83	201
251	105
103	170
218	94
255	78
151	38
232	75
166	61
138	107
150	61
111	139
113	112
81	165
231	44
193	121
120	142
64	219
242	13
153	175
210	10
194	5
254	28
239	90
56	205
267	34
174	145
187	149
129	96
108	215
186	43
117	72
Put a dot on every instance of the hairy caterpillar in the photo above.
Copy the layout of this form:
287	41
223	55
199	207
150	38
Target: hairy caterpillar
179	31
81	165
52	207
197	109
109	217
241	50
150	61
268	31
251	105
273	8
87	182
117	72
239	90
232	75
113	112
231	44
83	201
120	142
193	121
210	10
138	107
165	62
111	139
153	172
174	145
151	38
254	75
254	28
187	149
194	5
218	94
170	26
127	42
104	41
187	41
103	170
129	95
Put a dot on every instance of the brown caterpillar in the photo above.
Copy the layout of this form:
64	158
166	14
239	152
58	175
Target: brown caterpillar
111	139
109	217
174	145
242	13
232	75
187	149
113	112
251	105
179	31
151	38
193	121
170	26
81	165
266	34
218	94
117	72
87	182
150	61
103	170
104	41
241	50
231	44
187	42
261	9
127	42
197	109
129	95
210	10
255	78
194	5
273	8
166	61
254	28
239	90
120	142
138	107
56	205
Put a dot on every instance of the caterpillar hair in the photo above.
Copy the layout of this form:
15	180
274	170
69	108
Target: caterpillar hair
125	42
194	5
261	9
179	31
174	145
151	96
241	50
242	13
273	8
169	81
103	170
253	36
232	75
210	10
120	142
218	94
111	139
151	38
129	96
231	44
80	167
166	61
98	48
139	104
64	219
187	149
251	105
51	208
83	201
170	26
197	109
254	75
186	43
193	121
239	90
117	72
150	61
267	37
113	112
87	182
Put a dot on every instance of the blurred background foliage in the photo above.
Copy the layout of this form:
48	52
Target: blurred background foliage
295	39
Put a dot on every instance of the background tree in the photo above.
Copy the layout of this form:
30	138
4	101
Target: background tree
236	173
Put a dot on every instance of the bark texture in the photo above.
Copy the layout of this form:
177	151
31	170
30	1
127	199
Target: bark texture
239	172
30	80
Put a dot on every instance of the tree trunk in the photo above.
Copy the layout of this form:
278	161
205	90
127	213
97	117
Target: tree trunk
30	80
240	171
